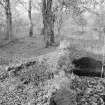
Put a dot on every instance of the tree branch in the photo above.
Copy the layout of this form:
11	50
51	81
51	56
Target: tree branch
2	4
91	11
22	3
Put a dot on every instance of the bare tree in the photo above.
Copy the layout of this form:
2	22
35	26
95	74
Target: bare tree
30	18
62	14
81	21
29	10
7	7
9	20
48	22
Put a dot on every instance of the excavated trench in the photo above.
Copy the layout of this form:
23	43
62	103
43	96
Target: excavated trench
87	66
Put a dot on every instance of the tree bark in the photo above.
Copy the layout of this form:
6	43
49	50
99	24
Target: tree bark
9	34
48	22
30	18
82	29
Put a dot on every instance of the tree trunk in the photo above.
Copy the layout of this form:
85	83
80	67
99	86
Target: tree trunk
9	34
48	22
30	18
82	29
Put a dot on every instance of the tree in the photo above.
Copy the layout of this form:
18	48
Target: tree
48	22
60	15
7	7
9	20
30	18
59	22
81	22
48	14
93	6
29	10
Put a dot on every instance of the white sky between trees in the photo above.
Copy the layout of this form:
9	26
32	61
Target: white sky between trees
22	10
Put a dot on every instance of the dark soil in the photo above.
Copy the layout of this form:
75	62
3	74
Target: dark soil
87	66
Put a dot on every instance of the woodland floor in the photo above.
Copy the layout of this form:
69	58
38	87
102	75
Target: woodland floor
30	47
67	86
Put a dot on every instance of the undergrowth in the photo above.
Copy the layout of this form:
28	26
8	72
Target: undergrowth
31	84
24	86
